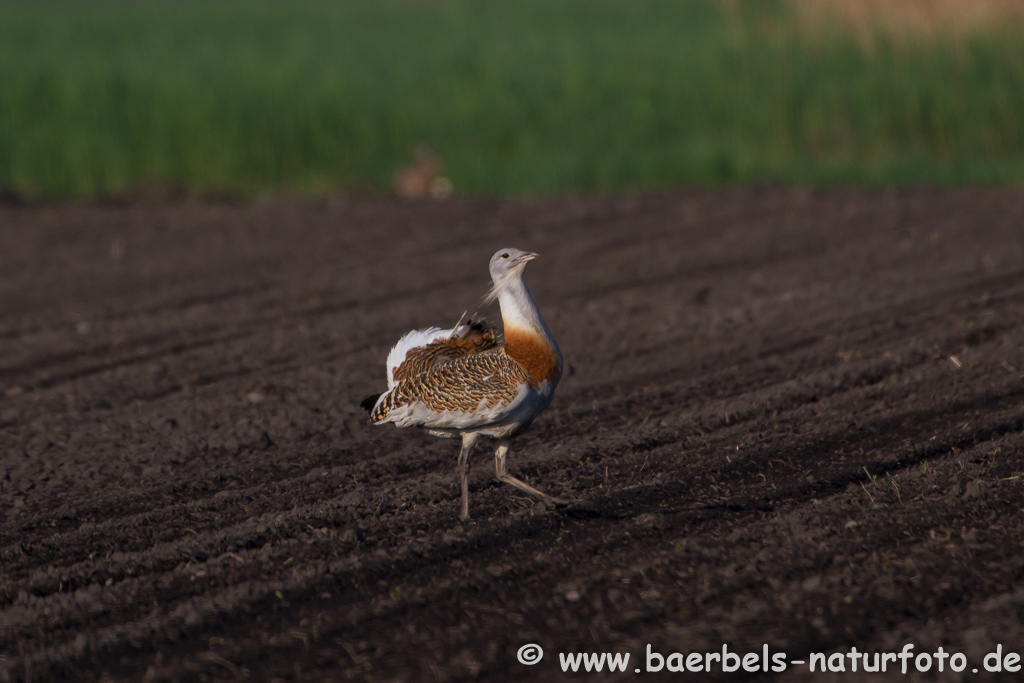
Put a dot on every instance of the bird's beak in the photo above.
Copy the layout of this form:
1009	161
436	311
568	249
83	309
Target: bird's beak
529	256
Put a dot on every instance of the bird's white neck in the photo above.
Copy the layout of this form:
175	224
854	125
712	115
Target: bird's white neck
527	338
518	311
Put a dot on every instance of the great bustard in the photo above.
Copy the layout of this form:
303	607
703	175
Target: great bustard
465	382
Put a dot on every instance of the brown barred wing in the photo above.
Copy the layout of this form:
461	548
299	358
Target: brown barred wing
489	380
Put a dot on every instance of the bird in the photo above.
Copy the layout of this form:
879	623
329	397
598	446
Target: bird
467	382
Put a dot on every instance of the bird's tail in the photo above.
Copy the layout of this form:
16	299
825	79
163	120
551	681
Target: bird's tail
369	402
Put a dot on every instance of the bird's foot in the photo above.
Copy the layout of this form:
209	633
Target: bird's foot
551	503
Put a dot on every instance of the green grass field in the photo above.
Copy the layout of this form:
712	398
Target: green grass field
516	97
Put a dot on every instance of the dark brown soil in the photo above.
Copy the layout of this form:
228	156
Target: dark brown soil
794	418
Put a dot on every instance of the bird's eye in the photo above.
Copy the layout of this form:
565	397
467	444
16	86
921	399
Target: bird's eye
505	255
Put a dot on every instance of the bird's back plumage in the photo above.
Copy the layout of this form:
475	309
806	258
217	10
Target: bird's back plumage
465	339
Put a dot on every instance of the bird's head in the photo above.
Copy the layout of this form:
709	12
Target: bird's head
507	267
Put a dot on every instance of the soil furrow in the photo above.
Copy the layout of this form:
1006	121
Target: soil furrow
789	417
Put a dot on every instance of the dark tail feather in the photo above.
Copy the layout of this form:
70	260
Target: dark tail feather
369	402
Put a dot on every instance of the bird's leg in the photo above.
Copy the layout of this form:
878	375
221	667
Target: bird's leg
503	476
468	439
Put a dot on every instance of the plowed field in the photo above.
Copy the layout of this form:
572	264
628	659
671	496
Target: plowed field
792	418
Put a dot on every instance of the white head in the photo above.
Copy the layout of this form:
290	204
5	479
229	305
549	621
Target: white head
506	269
